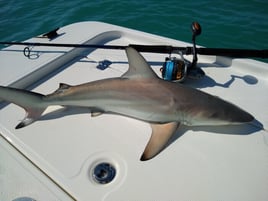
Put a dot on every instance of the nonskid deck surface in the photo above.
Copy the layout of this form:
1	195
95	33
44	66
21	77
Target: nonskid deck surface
66	144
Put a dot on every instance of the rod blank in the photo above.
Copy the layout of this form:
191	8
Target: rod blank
236	53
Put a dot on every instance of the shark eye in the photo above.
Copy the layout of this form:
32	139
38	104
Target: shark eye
214	115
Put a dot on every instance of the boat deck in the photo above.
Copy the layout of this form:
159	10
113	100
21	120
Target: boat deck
64	146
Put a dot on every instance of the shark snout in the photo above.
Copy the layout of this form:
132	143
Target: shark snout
240	116
231	114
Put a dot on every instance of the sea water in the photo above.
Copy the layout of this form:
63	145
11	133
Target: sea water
227	24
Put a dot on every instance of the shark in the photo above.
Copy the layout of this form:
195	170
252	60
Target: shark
139	93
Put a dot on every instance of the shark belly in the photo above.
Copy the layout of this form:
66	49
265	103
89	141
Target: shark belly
121	96
152	101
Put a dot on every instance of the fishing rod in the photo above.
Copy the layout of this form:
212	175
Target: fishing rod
173	68
236	53
196	30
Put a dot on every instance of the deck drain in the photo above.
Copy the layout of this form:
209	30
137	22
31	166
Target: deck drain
104	173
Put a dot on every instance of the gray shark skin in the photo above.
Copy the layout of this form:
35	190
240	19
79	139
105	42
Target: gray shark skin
139	94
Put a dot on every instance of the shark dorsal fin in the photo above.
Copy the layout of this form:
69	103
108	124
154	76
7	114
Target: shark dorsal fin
138	66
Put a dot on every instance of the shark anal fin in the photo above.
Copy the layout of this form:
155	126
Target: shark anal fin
161	133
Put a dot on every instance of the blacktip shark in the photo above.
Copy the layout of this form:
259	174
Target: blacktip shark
139	94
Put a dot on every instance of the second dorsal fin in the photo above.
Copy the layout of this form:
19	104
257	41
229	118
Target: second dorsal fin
62	87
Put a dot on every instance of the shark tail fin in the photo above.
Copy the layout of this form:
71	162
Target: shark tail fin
32	114
33	103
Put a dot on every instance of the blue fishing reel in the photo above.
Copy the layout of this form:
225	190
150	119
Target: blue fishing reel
174	69
177	70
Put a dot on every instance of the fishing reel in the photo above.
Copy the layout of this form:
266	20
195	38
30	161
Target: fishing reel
177	69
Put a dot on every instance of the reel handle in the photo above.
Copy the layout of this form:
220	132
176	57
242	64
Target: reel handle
193	71
196	30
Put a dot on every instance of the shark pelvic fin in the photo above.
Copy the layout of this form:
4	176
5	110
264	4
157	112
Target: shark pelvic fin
161	133
95	114
138	66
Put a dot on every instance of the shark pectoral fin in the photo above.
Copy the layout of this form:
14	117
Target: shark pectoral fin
161	133
31	116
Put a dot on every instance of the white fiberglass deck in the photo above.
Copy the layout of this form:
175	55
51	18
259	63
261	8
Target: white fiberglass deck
200	163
